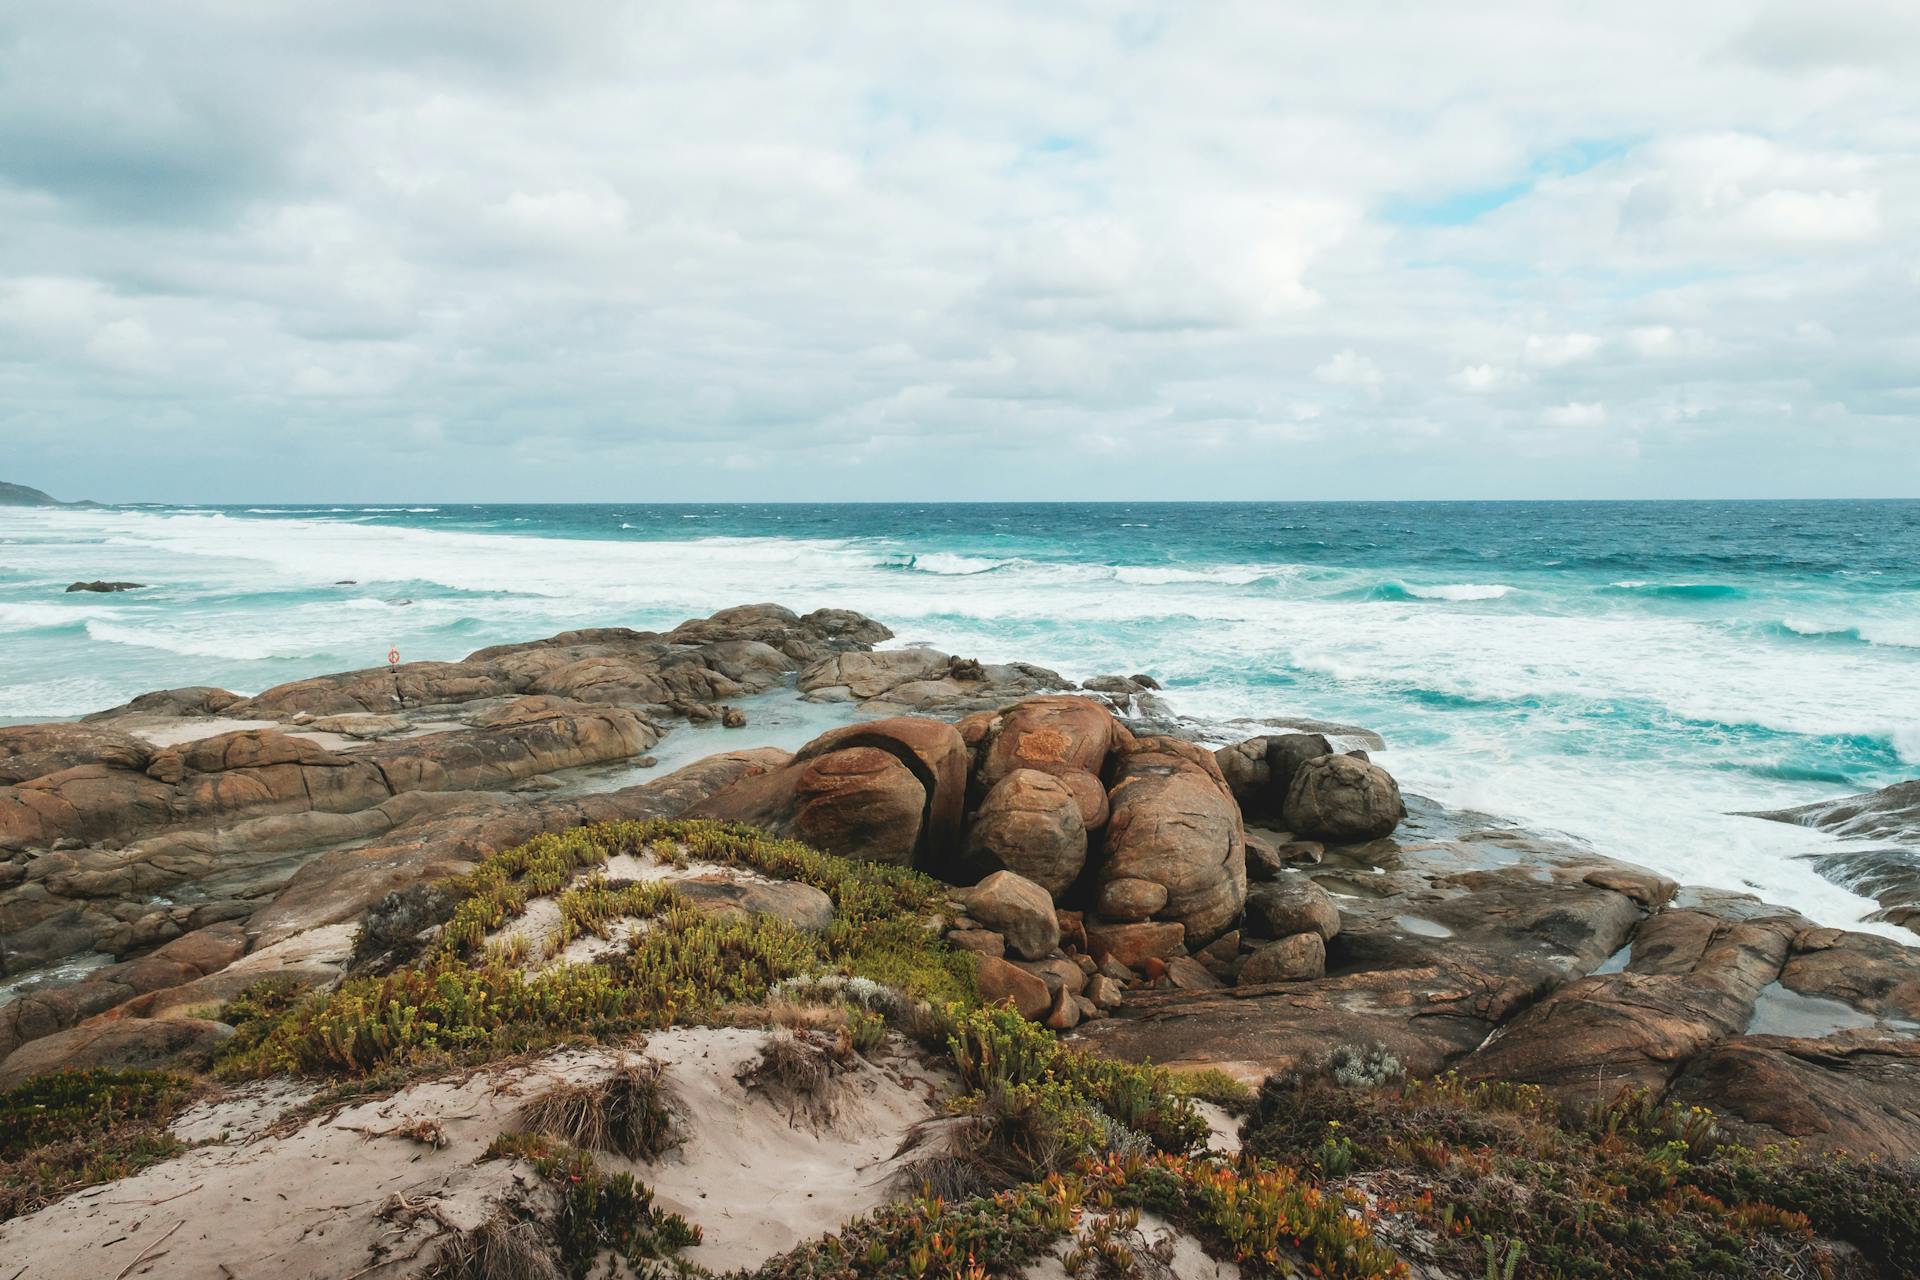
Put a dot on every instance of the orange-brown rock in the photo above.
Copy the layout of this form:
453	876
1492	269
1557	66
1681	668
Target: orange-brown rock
1065	736
1176	824
1030	823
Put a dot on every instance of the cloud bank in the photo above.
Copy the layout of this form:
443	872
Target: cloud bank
594	251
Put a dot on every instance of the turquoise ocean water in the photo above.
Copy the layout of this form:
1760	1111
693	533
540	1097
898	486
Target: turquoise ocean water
1629	673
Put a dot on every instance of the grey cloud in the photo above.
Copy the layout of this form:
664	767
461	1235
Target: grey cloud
617	250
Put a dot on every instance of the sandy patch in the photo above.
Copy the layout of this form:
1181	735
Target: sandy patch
352	1194
1225	1127
759	1183
334	1197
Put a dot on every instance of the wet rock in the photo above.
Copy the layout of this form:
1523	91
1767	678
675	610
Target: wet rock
1852	1092
105	586
1263	858
1030	823
1342	800
1692	981
1017	909
733	718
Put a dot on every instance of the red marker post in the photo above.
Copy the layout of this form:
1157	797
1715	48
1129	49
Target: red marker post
393	659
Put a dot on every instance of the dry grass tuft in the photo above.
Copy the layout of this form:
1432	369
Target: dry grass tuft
628	1113
801	1072
501	1248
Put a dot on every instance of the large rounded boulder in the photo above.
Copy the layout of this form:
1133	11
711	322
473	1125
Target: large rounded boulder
1067	737
1174	825
889	791
1343	800
1030	823
934	752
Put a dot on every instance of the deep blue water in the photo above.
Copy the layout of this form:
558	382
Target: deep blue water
1628	672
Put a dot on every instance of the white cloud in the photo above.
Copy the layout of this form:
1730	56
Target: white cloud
1552	351
1349	369
637	238
1575	414
1479	379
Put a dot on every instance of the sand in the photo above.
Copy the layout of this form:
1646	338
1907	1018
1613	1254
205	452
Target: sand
350	1194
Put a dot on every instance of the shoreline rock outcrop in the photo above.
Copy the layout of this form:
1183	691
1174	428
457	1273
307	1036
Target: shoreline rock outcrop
1244	908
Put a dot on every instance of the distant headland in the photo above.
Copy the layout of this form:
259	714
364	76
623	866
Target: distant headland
20	495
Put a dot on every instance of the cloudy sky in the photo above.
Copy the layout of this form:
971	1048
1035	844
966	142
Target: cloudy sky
372	249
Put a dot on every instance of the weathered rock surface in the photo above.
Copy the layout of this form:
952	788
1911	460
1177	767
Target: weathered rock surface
1175	823
889	791
1342	800
1069	738
922	680
1018	910
1292	904
1292	959
1030	823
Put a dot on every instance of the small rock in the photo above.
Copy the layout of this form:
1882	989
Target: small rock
1056	974
1263	859
1296	959
1019	910
984	941
1065	1014
1133	944
1073	930
106	586
1115	970
1104	992
1309	852
1131	899
646	762
733	718
1221	955
1087	966
1292	904
1001	982
1188	974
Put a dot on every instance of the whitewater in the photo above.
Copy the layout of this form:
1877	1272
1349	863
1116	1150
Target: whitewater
1630	674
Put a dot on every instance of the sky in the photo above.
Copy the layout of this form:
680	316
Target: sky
481	251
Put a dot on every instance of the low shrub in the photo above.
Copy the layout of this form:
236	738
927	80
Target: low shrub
600	1213
1262	1217
466	1002
72	1129
1499	1176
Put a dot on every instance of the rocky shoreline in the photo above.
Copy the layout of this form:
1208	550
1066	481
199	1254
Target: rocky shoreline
1243	909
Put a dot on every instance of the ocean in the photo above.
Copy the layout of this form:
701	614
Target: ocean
1630	674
